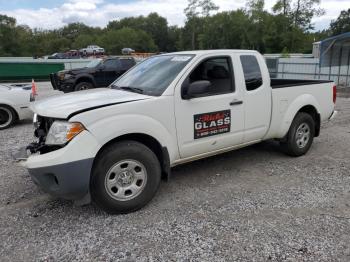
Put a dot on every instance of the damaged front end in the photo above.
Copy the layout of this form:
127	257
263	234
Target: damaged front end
42	126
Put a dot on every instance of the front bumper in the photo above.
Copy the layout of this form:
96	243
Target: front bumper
61	85
65	172
69	181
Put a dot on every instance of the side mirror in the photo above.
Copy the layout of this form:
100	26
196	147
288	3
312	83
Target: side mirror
196	89
102	67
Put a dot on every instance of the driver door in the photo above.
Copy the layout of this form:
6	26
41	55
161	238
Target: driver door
214	119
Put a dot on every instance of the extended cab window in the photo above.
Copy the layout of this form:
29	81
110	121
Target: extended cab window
252	73
218	71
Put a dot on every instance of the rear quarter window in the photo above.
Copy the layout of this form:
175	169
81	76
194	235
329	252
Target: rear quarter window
252	72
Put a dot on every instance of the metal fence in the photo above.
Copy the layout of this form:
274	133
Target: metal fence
308	68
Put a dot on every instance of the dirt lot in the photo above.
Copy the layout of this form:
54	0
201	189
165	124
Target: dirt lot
251	204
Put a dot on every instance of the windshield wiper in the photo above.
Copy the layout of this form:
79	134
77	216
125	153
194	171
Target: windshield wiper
129	88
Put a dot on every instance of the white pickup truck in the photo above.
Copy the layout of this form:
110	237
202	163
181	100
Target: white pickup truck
113	145
92	50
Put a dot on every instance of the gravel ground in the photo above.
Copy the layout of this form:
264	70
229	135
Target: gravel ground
254	204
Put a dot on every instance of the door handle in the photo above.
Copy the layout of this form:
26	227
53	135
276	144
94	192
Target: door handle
236	102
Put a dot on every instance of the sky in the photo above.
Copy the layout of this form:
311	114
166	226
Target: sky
50	14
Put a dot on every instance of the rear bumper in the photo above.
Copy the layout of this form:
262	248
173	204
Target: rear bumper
25	113
333	115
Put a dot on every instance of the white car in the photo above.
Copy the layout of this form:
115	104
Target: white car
92	50
114	144
14	104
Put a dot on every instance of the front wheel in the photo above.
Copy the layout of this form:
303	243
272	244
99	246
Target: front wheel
300	135
83	86
125	178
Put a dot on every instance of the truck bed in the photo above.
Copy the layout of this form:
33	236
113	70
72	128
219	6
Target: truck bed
288	96
281	83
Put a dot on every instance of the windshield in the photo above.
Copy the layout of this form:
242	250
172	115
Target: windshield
94	63
154	75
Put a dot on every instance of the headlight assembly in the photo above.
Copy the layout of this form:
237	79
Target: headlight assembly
61	76
67	76
62	132
64	76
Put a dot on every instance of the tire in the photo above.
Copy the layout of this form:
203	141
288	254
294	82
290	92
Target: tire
7	116
125	177
83	86
300	135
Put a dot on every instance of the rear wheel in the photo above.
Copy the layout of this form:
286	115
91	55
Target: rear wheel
7	116
83	86
300	135
125	177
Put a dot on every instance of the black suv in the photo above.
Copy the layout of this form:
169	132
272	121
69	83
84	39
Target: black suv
98	73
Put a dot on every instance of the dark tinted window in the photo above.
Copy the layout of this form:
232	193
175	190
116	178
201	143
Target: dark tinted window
252	73
111	63
218	72
126	64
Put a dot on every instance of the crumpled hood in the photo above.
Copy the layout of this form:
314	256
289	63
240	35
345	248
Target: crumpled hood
63	106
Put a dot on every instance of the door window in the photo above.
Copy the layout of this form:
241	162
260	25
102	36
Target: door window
111	64
252	73
127	63
218	71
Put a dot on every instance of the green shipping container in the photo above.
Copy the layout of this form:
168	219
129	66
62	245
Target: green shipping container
12	71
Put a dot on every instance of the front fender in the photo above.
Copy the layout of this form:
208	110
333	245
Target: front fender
110	128
293	109
4	101
11	104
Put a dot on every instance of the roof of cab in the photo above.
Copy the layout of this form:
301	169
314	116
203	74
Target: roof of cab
203	52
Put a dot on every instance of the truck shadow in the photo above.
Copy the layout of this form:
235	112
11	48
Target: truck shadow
237	159
186	176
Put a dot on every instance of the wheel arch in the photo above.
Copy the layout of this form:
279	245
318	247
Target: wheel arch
312	111
305	103
85	78
12	108
160	151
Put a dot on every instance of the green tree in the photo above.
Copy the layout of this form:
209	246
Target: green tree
9	45
194	9
282	7
341	24
153	24
298	16
257	27
115	40
84	40
226	30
